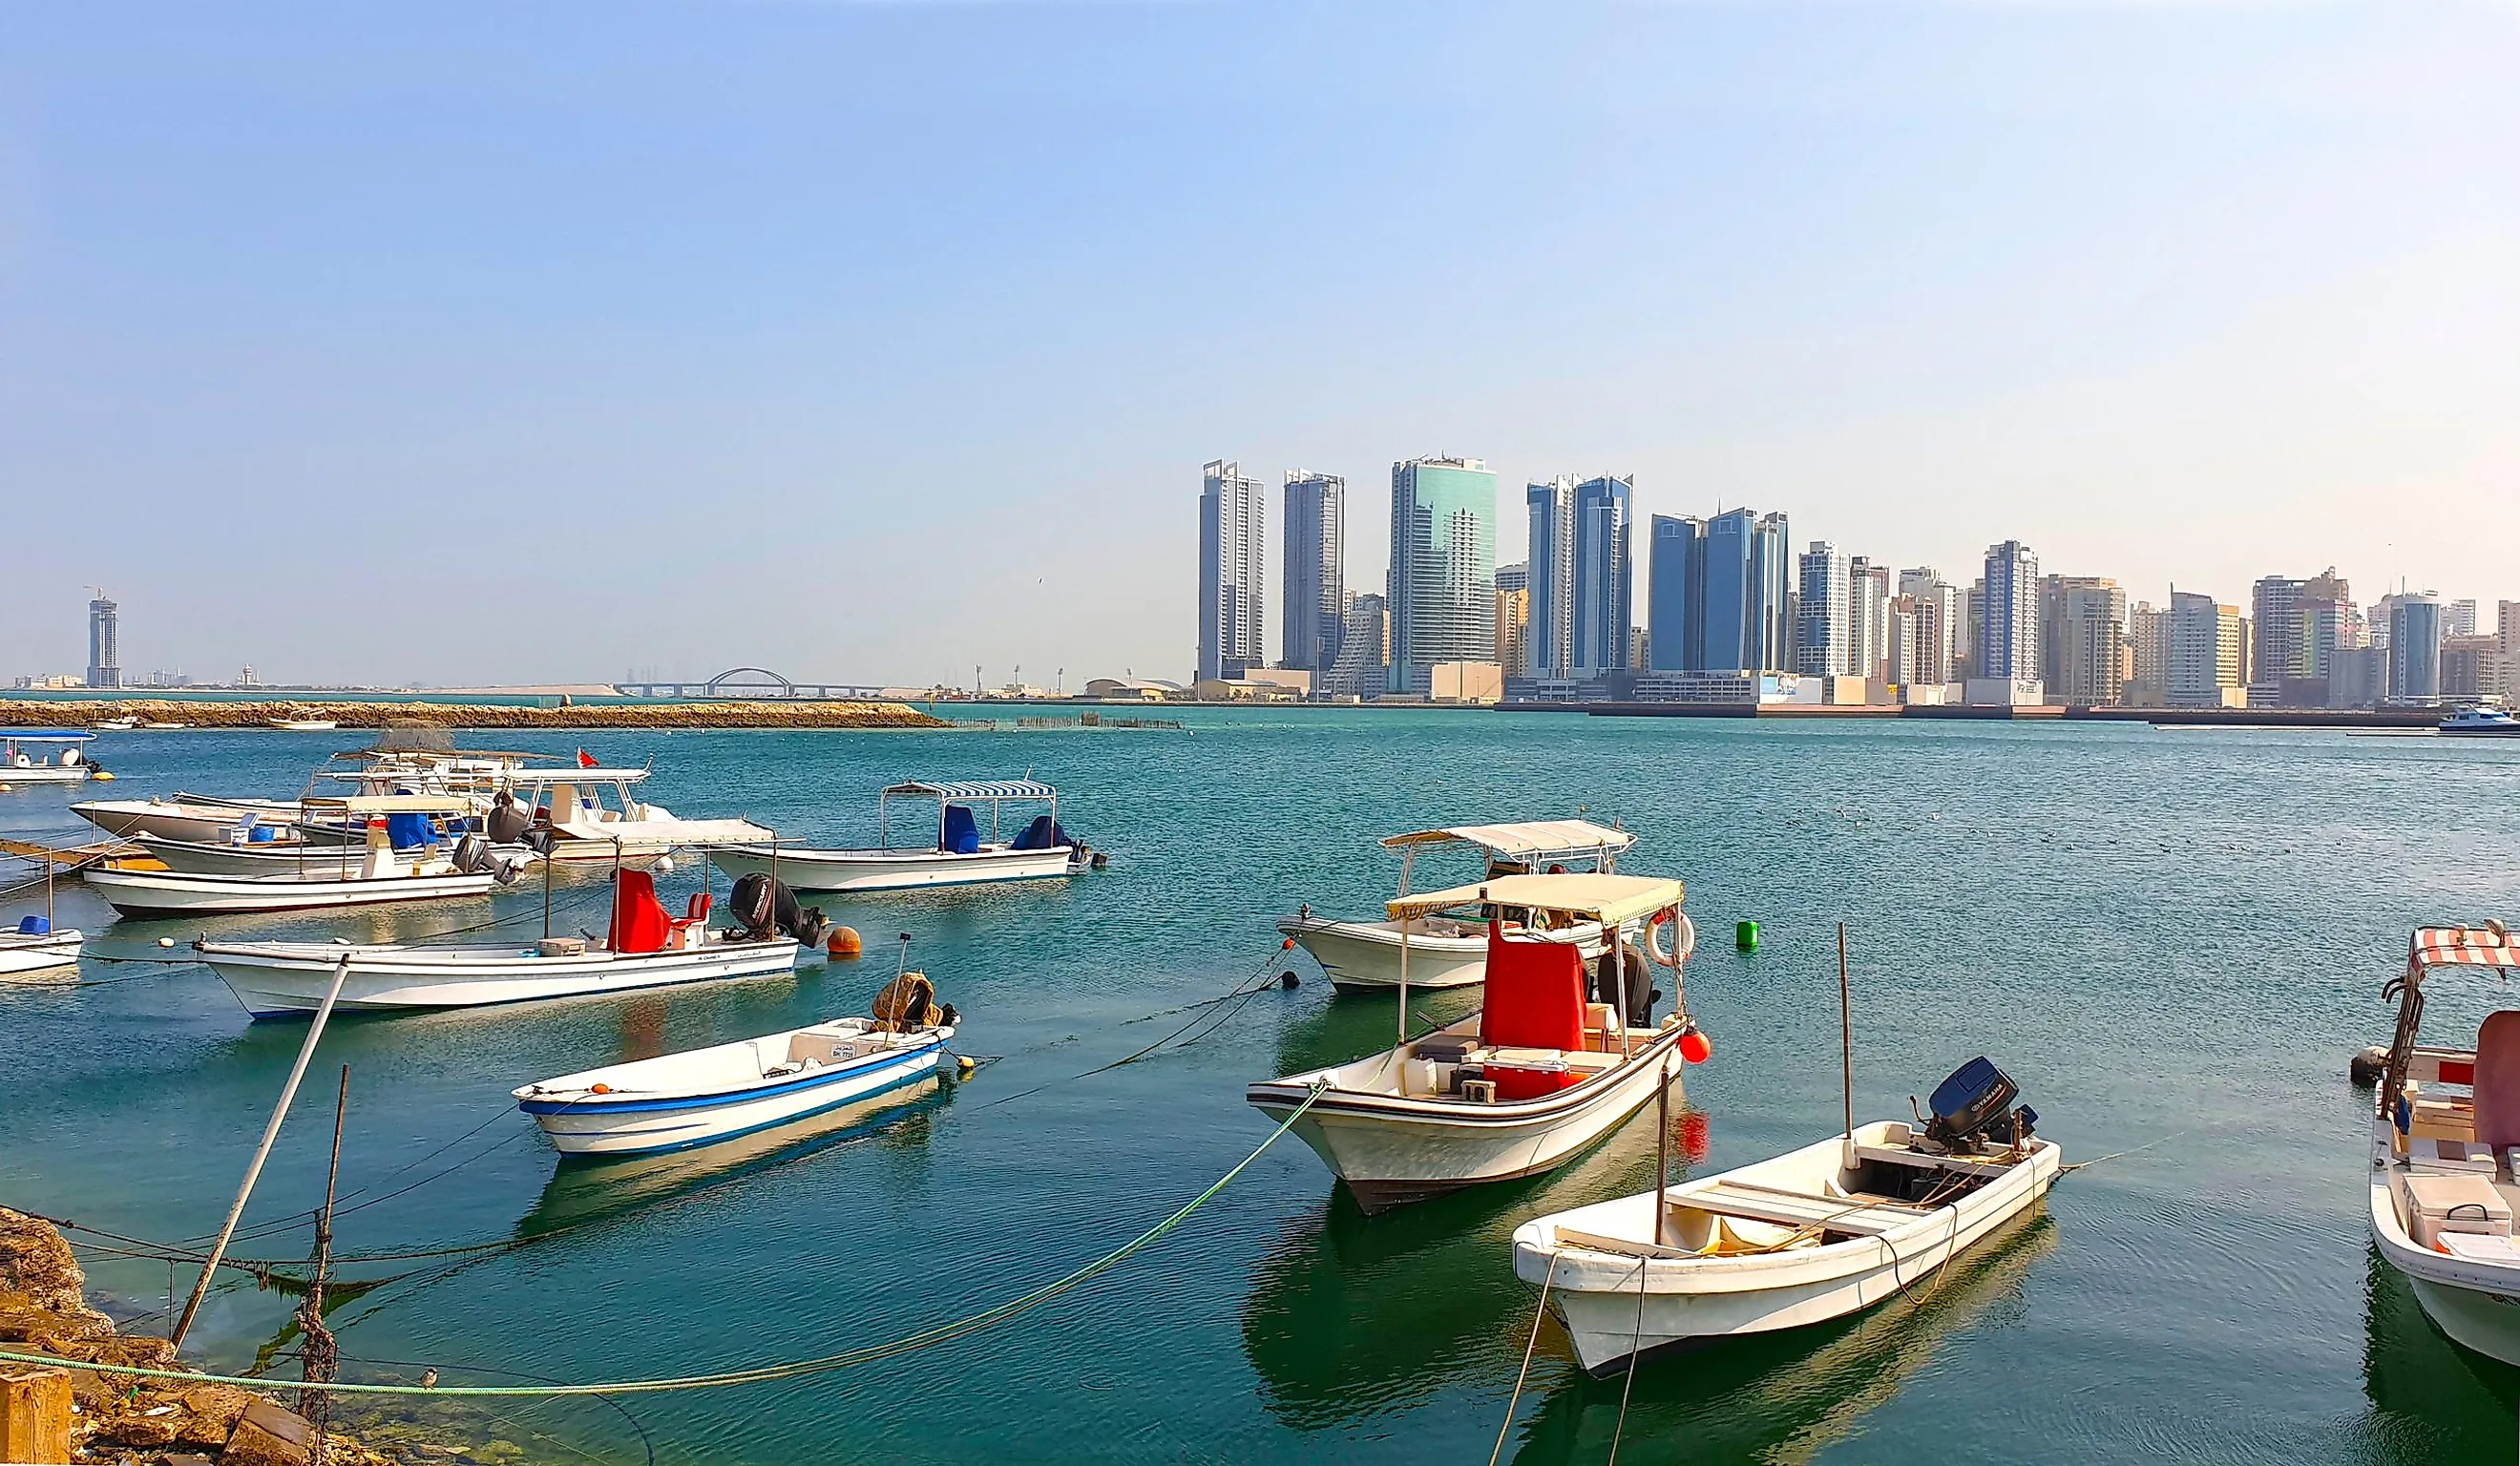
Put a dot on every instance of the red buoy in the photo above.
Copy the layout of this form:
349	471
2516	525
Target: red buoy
1694	1046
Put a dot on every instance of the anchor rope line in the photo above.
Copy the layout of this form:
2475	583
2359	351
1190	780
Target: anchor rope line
926	1337
1245	990
1524	1373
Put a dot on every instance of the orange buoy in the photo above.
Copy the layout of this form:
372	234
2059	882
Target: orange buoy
1695	1047
845	942
1287	944
600	1090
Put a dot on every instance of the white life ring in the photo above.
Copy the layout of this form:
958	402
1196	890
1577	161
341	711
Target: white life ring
1671	955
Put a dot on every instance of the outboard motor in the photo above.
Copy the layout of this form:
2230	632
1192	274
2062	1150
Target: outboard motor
509	820
472	854
766	907
1975	1106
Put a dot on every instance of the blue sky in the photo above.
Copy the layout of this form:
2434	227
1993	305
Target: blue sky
881	340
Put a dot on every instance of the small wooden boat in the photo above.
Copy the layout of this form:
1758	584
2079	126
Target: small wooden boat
2444	1134
116	724
706	1096
960	855
381	874
182	816
1814	1234
1451	951
1534	1078
165	727
302	725
25	758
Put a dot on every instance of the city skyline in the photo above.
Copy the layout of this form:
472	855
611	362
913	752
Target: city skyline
2171	293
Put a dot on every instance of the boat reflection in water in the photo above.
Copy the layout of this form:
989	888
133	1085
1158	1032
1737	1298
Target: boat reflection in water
1776	1398
2440	1402
1349	1317
584	1191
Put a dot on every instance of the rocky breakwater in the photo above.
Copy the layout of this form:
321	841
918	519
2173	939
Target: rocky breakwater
124	1418
749	712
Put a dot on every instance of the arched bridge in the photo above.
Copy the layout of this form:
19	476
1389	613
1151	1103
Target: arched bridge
749	681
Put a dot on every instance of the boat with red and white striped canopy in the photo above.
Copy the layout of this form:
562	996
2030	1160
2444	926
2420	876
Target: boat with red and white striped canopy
1557	1058
2445	1140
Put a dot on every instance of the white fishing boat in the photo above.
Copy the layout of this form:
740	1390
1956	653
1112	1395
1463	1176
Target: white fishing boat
2444	1137
36	944
302	725
382	875
182	817
288	856
115	725
1555	1061
2481	722
644	947
1811	1235
45	758
1451	949
704	1095
960	855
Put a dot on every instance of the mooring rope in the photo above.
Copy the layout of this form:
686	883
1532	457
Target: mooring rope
926	1337
1524	1373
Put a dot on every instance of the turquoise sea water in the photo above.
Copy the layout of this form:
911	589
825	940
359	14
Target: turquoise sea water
2172	939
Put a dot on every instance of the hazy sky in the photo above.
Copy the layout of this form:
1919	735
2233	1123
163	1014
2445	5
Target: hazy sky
880	341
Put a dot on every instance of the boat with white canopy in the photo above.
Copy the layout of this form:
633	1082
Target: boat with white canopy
2445	1143
1814	1234
960	855
430	869
703	1095
643	947
45	758
1449	949
1556	1058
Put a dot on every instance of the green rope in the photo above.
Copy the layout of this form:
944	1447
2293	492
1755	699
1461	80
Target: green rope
925	1339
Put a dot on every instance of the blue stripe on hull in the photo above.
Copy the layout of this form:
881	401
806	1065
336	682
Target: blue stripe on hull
873	1064
911	1077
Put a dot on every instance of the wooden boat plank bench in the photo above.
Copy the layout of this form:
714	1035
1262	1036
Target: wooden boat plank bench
1856	1215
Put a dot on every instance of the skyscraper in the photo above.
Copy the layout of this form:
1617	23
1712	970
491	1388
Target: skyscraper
1550	648
104	642
1604	574
1514	619
1820	633
1766	612
2278	609
2201	651
1233	564
1867	619
2414	648
2091	640
1676	599
2459	619
1443	567
1315	571
1359	670
2007	643
1938	630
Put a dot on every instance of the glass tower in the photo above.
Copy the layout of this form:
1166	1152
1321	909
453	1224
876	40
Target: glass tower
1233	558
1443	567
1316	576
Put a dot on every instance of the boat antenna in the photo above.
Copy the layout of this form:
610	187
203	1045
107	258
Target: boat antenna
1846	1043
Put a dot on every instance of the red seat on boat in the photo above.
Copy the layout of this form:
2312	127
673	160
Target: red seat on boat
639	920
2497	1081
1535	999
699	909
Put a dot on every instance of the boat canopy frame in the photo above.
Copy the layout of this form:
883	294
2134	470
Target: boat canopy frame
43	735
1612	900
2490	945
995	793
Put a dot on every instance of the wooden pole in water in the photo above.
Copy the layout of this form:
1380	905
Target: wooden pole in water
317	1355
1846	1043
262	1152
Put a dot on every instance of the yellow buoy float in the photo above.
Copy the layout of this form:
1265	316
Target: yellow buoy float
845	942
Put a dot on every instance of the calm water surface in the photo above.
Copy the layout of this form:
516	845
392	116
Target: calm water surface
2172	939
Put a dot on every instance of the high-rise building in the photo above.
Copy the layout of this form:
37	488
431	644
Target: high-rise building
2280	611
1604	574
2092	635
2459	619
104	642
1676	595
1514	621
1232	564
1316	596
1551	647
2148	645
2507	644
1363	651
1819	629
1743	605
2202	651
1937	629
2008	641
1868	618
2414	648
1443	567
2470	669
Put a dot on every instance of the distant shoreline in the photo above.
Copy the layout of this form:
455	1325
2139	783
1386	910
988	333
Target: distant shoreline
747	713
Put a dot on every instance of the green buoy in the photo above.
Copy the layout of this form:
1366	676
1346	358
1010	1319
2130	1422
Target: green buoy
1745	936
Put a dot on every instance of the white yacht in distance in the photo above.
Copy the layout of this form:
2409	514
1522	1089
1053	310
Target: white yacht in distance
2485	720
1451	949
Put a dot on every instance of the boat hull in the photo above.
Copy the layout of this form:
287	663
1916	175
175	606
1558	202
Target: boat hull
652	1126
893	870
1365	956
2476	1304
1392	1150
172	893
176	818
23	954
1691	1301
288	979
45	774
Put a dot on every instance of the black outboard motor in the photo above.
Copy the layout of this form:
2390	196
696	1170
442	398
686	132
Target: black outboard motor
509	820
1975	1106
766	907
